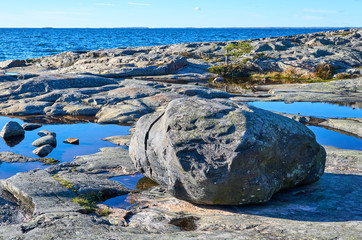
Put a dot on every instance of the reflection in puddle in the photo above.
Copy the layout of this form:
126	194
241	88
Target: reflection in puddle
90	141
10	169
321	110
134	182
129	181
122	202
335	139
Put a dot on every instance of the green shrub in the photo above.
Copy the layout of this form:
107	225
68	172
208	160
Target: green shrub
238	49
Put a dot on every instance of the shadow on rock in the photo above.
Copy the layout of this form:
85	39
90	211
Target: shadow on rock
334	198
13	141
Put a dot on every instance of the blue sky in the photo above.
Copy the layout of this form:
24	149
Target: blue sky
180	13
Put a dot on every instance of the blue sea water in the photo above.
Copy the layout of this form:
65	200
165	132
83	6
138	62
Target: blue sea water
25	43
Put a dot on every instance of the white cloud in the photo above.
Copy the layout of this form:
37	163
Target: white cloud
197	9
313	18
312	10
139	4
104	4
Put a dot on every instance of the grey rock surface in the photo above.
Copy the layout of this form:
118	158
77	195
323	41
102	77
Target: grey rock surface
219	152
12	129
43	150
40	193
112	159
11	157
46	140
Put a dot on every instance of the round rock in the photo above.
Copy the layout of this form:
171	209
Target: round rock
12	129
221	152
49	139
43	151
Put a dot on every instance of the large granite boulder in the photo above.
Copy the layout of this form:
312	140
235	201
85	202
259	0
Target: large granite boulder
221	152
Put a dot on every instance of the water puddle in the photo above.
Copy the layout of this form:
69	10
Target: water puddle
129	181
320	110
90	140
10	169
122	202
134	182
335	139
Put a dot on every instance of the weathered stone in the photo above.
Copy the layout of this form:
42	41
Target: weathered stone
11	157
219	152
30	189
49	139
31	126
12	129
43	150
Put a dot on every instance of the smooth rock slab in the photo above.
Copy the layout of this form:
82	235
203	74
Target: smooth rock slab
219	152
12	129
38	191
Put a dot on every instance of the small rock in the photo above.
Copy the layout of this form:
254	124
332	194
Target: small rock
44	132
74	141
31	126
12	129
51	140
43	151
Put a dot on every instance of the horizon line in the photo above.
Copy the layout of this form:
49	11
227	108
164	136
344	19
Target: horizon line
346	27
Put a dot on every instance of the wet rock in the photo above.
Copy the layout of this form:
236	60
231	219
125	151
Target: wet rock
12	129
43	150
39	193
74	141
49	139
31	126
352	126
219	152
45	132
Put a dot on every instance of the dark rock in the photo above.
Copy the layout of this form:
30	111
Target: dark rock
51	140
219	152
31	126
13	141
12	129
43	151
74	141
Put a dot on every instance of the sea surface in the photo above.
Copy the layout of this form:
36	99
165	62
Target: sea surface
26	43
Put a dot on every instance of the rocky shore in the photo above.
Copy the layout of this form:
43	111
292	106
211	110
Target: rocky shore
119	86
